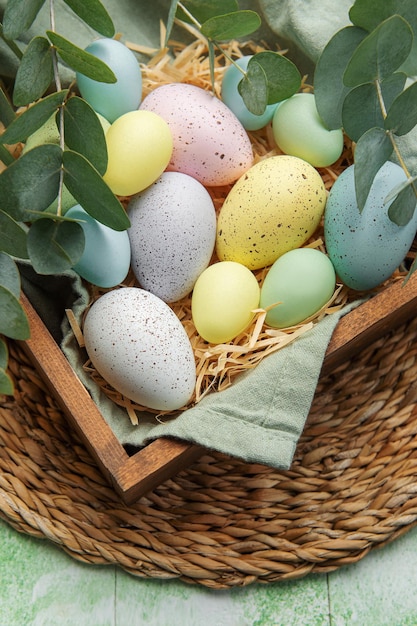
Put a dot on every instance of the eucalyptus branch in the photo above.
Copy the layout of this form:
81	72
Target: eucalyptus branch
391	136
58	84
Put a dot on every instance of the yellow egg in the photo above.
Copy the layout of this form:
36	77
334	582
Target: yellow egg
139	146
273	208
224	298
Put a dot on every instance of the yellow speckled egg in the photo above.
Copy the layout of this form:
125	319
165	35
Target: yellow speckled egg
273	208
139	147
223	301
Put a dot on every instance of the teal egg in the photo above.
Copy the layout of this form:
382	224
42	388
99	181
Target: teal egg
105	261
234	101
301	281
299	131
113	99
366	247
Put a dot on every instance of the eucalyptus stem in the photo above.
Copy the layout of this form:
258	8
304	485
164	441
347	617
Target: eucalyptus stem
58	84
392	137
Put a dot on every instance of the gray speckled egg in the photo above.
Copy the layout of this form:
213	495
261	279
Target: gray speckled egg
138	345
172	235
210	143
365	247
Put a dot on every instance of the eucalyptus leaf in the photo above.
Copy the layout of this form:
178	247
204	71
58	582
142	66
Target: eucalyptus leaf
90	190
361	111
12	236
381	53
170	20
80	60
84	133
9	274
6	383
369	13
329	88
55	246
5	156
401	210
373	149
35	72
402	115
7	113
31	183
4	354
13	320
203	10
398	188
231	25
93	13
19	16
33	118
254	89
282	76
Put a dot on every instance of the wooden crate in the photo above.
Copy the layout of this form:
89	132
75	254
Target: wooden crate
134	475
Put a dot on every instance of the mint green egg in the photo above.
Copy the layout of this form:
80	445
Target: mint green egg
105	261
299	131
299	283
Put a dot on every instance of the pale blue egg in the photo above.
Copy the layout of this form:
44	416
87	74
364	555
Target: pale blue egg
232	98
105	261
366	247
112	100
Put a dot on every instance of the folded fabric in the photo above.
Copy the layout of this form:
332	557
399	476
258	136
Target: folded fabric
259	418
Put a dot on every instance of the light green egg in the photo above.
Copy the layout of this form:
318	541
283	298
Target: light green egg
299	283
298	130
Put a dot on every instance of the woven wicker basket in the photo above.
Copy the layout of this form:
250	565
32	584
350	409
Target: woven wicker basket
222	522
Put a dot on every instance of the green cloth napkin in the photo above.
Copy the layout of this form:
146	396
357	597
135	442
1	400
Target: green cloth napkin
258	419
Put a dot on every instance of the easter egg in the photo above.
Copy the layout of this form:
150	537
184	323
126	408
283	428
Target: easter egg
138	345
232	98
300	283
366	247
105	261
172	234
274	207
299	131
209	142
224	298
139	147
113	99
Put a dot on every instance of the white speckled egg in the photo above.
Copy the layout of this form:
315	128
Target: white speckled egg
210	143
366	247
273	208
137	343
172	235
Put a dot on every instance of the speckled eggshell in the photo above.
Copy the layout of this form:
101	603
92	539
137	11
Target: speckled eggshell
137	343
172	235
274	207
210	143
366	247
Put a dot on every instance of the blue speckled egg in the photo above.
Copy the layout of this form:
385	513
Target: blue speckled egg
113	99
365	247
232	98
105	261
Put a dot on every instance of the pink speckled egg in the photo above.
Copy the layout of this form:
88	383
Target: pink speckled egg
210	143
